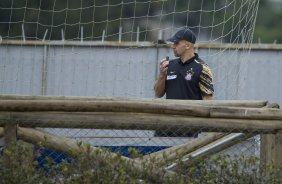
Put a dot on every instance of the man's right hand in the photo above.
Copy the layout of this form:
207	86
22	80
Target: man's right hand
163	67
159	86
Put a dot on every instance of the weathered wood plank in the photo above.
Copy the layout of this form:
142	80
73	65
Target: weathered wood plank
212	148
173	153
155	107
229	103
101	106
246	113
140	121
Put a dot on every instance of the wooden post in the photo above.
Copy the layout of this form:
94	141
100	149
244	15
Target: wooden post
1	131
271	147
10	139
10	134
271	150
267	149
278	150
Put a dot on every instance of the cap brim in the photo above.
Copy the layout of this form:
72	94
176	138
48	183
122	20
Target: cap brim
173	39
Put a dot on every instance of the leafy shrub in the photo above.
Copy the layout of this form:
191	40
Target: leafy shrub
100	166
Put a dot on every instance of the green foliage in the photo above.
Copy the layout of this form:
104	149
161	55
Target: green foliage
100	166
22	167
268	26
238	170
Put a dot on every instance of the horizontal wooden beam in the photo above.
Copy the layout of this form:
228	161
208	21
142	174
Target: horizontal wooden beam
246	113
137	121
134	113
187	108
102	106
225	103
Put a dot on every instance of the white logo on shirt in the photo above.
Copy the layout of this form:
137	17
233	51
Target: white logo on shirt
170	77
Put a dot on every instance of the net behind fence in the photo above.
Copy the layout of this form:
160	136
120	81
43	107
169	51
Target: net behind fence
91	48
228	21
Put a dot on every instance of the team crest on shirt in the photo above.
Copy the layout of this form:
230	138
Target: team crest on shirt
189	74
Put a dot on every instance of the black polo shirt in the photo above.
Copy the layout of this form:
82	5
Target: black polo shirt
190	80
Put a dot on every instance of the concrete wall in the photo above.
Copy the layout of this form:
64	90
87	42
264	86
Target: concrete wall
130	70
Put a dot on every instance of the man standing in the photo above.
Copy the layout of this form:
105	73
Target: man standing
187	77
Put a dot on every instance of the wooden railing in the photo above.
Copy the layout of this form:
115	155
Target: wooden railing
226	120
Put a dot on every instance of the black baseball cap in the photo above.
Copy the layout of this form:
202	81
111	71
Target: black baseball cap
183	34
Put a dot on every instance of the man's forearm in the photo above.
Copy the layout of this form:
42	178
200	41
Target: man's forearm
159	86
